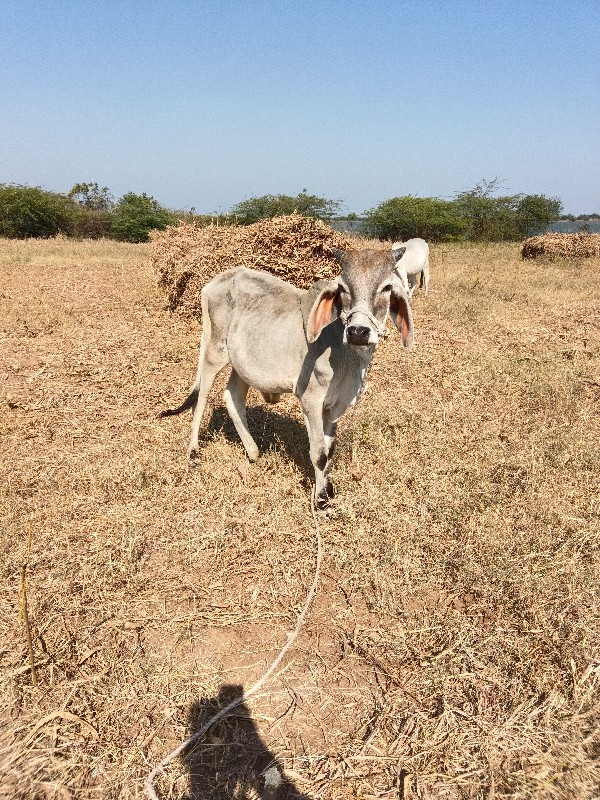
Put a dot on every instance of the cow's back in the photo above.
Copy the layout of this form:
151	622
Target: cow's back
415	258
264	333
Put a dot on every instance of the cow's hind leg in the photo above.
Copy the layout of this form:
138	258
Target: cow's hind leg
235	401
213	357
425	277
412	282
210	370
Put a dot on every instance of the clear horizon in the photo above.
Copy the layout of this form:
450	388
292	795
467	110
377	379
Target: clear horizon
204	105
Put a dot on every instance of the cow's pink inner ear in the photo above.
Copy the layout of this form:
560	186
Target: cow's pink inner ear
405	329
322	315
400	312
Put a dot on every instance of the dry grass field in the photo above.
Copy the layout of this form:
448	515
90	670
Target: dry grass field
453	647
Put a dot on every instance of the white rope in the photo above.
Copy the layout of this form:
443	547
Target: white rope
291	638
381	329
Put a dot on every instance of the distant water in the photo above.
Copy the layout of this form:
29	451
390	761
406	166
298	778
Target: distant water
566	226
358	226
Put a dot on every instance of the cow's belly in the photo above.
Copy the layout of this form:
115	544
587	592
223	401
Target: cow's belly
269	364
259	376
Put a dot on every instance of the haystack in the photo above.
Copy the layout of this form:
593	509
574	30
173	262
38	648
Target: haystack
295	248
562	245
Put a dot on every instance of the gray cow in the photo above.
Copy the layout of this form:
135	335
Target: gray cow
315	343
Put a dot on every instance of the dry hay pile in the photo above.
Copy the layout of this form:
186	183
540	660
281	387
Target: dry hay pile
295	248
562	245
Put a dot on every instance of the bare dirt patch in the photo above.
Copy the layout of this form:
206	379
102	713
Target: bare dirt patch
453	649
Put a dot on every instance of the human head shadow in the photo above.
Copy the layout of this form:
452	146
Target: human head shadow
268	427
230	760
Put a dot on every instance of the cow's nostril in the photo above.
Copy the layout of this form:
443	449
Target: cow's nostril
359	333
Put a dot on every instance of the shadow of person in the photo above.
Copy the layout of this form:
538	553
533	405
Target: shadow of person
230	762
268	427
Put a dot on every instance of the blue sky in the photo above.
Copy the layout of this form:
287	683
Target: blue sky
204	104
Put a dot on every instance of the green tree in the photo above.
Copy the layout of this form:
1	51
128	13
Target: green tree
135	215
492	217
30	211
408	217
534	212
487	218
90	195
278	205
94	205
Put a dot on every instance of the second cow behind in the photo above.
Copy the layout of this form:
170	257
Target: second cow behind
315	343
412	259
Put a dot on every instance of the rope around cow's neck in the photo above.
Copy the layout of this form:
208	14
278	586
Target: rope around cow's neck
291	638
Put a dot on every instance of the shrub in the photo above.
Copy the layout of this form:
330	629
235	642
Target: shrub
92	197
280	205
534	212
490	217
27	211
409	216
90	224
135	215
92	210
486	218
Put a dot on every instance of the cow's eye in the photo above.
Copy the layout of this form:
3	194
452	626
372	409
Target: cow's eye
387	288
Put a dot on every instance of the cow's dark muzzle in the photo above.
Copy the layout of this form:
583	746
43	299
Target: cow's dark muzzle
358	335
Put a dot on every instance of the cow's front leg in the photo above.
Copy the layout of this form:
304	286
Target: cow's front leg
329	431
319	449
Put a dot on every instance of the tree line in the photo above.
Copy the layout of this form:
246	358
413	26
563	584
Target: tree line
90	211
87	211
580	217
479	214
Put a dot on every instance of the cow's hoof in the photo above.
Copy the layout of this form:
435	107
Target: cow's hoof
192	454
323	503
328	512
252	454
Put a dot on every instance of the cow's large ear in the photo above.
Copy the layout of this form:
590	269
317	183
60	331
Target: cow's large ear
325	309
397	253
401	314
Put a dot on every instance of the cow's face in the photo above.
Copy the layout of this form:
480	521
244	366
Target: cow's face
364	294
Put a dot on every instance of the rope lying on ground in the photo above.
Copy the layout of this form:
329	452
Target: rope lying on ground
291	638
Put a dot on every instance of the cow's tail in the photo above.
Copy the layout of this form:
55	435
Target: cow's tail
192	400
189	402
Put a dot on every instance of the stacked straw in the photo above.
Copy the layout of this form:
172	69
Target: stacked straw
295	248
562	245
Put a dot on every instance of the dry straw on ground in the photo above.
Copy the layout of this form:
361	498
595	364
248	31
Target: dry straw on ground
295	248
452	650
562	245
